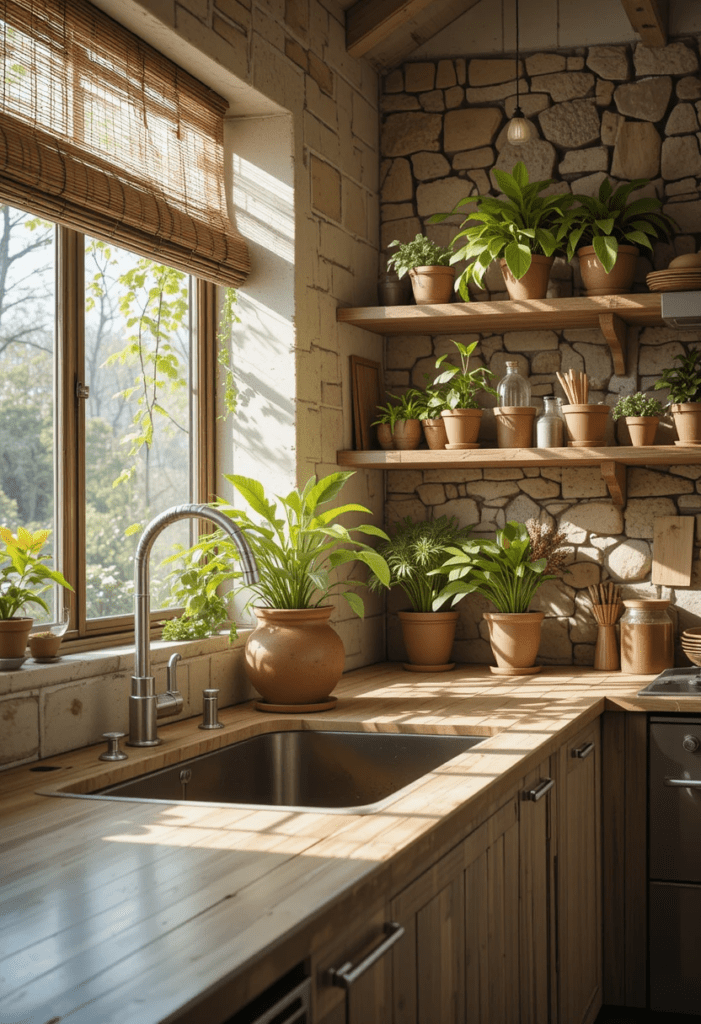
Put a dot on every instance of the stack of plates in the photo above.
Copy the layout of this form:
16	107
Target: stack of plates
675	279
691	644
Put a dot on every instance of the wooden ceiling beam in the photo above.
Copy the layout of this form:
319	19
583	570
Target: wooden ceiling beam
370	22
649	19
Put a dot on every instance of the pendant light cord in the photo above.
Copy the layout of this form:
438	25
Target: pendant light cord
517	112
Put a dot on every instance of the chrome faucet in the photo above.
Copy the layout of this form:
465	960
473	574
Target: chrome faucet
145	705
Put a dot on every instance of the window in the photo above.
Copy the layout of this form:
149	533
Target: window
106	415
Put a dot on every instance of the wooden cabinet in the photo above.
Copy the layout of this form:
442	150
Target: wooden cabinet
579	859
535	881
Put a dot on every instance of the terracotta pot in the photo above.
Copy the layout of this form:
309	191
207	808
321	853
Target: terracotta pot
13	637
462	425
515	639
408	434
687	420
432	285
293	656
642	430
534	283
385	438
428	638
515	425
586	425
43	646
597	281
435	433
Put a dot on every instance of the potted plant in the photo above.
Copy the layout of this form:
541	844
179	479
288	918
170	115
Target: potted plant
414	551
683	384
293	657
193	587
399	422
606	231
432	404
520	231
507	571
462	413
24	576
428	266
642	416
45	643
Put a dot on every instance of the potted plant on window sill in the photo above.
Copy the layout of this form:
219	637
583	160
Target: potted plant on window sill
520	231
24	576
642	416
414	551
399	422
461	412
428	266
508	571
683	384
293	657
606	231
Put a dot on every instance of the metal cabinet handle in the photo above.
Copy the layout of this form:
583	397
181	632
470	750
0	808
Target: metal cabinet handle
684	783
584	751
543	787
344	976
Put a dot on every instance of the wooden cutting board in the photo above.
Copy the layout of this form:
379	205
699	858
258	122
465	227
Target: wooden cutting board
672	550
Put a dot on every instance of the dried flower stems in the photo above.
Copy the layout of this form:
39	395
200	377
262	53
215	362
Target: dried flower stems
606	602
576	386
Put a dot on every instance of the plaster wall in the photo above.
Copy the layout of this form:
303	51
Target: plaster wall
622	111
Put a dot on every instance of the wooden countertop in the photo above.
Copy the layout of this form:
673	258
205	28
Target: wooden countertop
115	911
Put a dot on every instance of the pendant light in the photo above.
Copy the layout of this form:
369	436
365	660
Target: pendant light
519	130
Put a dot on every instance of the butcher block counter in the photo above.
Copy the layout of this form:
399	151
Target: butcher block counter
116	911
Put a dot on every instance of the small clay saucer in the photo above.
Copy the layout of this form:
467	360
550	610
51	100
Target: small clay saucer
461	446
427	668
10	664
531	671
295	709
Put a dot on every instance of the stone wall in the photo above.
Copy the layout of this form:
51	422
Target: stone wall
615	111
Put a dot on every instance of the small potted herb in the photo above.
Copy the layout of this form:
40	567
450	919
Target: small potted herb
461	411
683	384
642	416
606	231
399	422
413	552
428	266
519	230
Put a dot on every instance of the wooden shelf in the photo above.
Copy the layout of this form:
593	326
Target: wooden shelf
612	314
612	461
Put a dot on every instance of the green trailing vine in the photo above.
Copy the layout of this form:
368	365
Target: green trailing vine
227	318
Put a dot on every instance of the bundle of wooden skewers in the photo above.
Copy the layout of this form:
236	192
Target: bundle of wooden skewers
576	386
606	602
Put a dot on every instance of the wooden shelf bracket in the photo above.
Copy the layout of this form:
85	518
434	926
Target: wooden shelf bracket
615	478
615	330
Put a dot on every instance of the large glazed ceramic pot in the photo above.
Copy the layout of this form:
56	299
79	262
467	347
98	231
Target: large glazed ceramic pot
432	285
534	283
13	637
597	281
428	638
293	656
515	639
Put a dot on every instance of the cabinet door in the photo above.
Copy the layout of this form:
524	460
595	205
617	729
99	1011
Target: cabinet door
492	920
579	878
428	974
535	886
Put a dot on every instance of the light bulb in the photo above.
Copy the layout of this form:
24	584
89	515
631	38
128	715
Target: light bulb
519	131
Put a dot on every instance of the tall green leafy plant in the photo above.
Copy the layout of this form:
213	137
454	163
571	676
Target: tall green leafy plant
515	228
683	382
24	574
462	385
414	551
503	570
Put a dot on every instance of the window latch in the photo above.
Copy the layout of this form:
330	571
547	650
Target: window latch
82	390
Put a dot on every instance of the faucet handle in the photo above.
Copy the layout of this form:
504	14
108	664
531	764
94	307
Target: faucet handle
170	702
209	711
172	673
113	753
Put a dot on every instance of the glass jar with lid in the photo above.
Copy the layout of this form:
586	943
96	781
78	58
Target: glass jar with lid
647	637
513	389
550	427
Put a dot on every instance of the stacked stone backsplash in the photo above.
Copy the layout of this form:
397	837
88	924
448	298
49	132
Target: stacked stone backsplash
616	111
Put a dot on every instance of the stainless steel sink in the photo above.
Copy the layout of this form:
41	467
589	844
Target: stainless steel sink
331	771
676	682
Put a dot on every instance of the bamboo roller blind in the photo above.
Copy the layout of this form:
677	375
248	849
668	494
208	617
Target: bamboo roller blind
102	133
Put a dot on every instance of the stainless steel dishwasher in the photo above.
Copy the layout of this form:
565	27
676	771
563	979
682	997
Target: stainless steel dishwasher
675	864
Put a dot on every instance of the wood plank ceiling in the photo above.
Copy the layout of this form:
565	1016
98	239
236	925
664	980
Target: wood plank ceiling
386	32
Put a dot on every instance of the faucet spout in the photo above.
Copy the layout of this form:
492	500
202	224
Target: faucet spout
144	702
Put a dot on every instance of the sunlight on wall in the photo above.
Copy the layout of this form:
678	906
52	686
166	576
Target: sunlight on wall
264	208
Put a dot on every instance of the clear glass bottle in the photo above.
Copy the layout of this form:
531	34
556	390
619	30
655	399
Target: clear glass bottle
513	389
550	427
647	637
